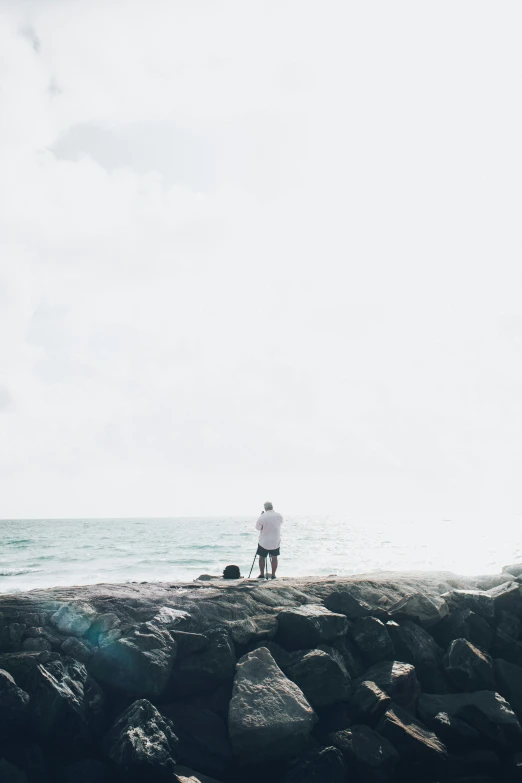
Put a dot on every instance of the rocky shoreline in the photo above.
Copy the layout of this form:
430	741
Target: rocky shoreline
380	677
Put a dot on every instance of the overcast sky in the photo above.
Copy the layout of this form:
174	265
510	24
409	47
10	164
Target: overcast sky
260	250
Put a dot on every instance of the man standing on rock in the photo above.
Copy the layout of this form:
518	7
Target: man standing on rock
269	523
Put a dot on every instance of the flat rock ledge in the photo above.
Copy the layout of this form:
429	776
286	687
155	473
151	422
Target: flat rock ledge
380	677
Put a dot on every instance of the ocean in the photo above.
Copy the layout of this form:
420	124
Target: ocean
36	553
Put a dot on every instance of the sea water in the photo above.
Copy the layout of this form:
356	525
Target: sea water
39	553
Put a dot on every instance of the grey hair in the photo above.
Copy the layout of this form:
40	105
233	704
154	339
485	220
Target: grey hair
268	506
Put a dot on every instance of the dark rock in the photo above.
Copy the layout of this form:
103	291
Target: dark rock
506	647
415	645
86	771
508	677
514	768
475	762
463	624
486	711
139	663
366	753
189	643
186	775
416	744
507	596
322	678
206	670
426	610
317	766
342	601
11	636
203	738
20	665
11	774
269	717
395	678
142	744
508	624
455	733
352	659
66	704
28	758
13	704
76	649
36	644
468	667
369	702
477	601
336	717
307	626
216	701
372	639
253	629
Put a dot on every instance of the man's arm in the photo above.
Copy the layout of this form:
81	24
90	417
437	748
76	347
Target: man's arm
259	523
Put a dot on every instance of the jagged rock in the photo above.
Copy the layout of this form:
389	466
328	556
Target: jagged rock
66	704
253	629
372	639
139	663
318	766
456	734
11	774
11	636
342	601
508	677
186	775
13	703
463	624
369	702
269	717
189	643
486	711
395	678
322	678
86	771
307	626
203	738
507	596
73	619
204	671
477	601
418	747
141	743
76	649
352	659
415	645
366	753
426	610
469	668
20	665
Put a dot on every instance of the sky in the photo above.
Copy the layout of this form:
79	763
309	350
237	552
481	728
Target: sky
264	250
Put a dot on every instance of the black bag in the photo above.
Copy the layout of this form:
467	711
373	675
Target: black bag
232	572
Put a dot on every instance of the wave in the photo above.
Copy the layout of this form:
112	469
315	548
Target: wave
18	571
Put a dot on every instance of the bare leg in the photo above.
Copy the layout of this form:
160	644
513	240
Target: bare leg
262	561
274	566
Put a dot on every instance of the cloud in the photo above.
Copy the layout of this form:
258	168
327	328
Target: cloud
258	248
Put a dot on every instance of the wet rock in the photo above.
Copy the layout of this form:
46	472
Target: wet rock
86	771
67	706
508	677
206	670
318	766
203	738
397	679
73	619
456	734
343	601
307	626
11	636
418	747
189	643
139	663
464	624
13	704
322	678
468	667
369	702
269	717
415	645
142	744
76	649
477	601
366	753
486	711
507	596
372	639
426	610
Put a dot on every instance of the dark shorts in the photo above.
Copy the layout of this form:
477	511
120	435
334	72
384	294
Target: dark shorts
262	552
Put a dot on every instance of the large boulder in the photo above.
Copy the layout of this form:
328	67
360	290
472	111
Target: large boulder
463	624
322	677
21	665
189	643
307	626
67	705
139	663
372	639
269	716
456	734
397	679
318	766
368	702
508	677
142	744
214	665
203	738
486	711
352	658
343	601
13	704
507	596
478	601
73	619
426	610
366	754
419	748
11	635
468	667
415	645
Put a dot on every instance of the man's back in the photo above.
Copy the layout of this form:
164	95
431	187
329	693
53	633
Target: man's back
269	524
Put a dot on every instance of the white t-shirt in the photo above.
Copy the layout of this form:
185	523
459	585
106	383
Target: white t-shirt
269	524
